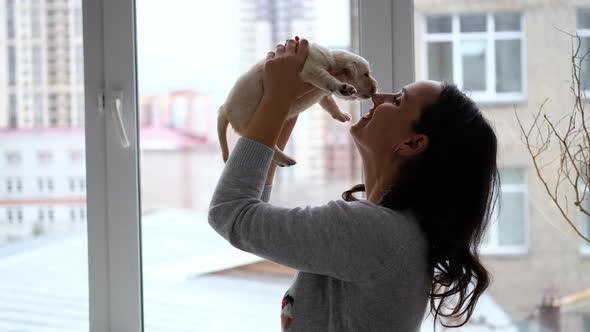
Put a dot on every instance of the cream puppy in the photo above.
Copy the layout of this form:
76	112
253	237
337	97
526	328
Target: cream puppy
354	81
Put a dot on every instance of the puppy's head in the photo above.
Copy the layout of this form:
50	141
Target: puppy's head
355	70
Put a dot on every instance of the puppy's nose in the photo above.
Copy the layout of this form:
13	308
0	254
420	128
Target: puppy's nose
373	90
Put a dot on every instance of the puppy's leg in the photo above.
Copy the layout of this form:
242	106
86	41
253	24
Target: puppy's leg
321	78
222	124
282	159
330	105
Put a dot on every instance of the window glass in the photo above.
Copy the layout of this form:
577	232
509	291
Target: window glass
440	61
583	18
183	257
473	54
43	255
508	65
507	21
472	23
439	24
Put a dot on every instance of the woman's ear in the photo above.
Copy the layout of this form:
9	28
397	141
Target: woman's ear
415	146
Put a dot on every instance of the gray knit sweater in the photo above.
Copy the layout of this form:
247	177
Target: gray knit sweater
362	267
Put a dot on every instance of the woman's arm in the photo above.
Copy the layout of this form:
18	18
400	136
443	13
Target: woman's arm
345	240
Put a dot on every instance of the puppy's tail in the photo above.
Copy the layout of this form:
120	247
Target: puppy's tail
222	123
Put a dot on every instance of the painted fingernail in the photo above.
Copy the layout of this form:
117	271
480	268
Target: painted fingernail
296	38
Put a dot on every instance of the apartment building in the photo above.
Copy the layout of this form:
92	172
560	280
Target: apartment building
510	56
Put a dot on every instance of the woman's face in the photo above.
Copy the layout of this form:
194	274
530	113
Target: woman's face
388	125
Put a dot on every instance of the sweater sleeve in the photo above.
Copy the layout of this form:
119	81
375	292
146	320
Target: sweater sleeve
334	239
265	197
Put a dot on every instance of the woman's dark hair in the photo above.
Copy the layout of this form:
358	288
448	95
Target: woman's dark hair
452	188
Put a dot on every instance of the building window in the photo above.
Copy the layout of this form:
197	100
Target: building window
13	158
82	214
10	24
72	214
82	184
19	185
507	232
11	66
481	53
19	215
9	185
584	225
76	157
50	185
38	110
583	30
585	229
12	111
72	184
35	22
9	215
79	65
50	215
44	157
36	61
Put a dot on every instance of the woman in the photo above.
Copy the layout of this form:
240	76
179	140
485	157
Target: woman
429	160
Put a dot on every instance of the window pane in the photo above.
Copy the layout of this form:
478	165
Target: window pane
10	17
472	23
12	65
508	66
187	266
507	21
440	61
43	248
438	24
584	55
583	17
474	65
511	219
511	175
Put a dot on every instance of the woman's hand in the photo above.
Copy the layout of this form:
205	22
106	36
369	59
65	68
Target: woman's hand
280	76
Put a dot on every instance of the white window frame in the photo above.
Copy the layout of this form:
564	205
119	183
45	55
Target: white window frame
494	248
489	96
114	262
113	205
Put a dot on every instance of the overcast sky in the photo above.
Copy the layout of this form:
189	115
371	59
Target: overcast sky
193	43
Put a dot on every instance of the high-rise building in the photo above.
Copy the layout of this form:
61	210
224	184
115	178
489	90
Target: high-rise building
264	24
41	64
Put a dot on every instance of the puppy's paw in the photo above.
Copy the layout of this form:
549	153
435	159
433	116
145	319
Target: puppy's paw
343	117
346	89
284	161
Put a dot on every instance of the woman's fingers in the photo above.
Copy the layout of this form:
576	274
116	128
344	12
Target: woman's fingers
302	49
291	46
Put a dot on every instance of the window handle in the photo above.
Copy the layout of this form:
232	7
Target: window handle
118	118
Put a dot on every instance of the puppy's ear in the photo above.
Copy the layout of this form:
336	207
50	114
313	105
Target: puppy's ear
350	69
